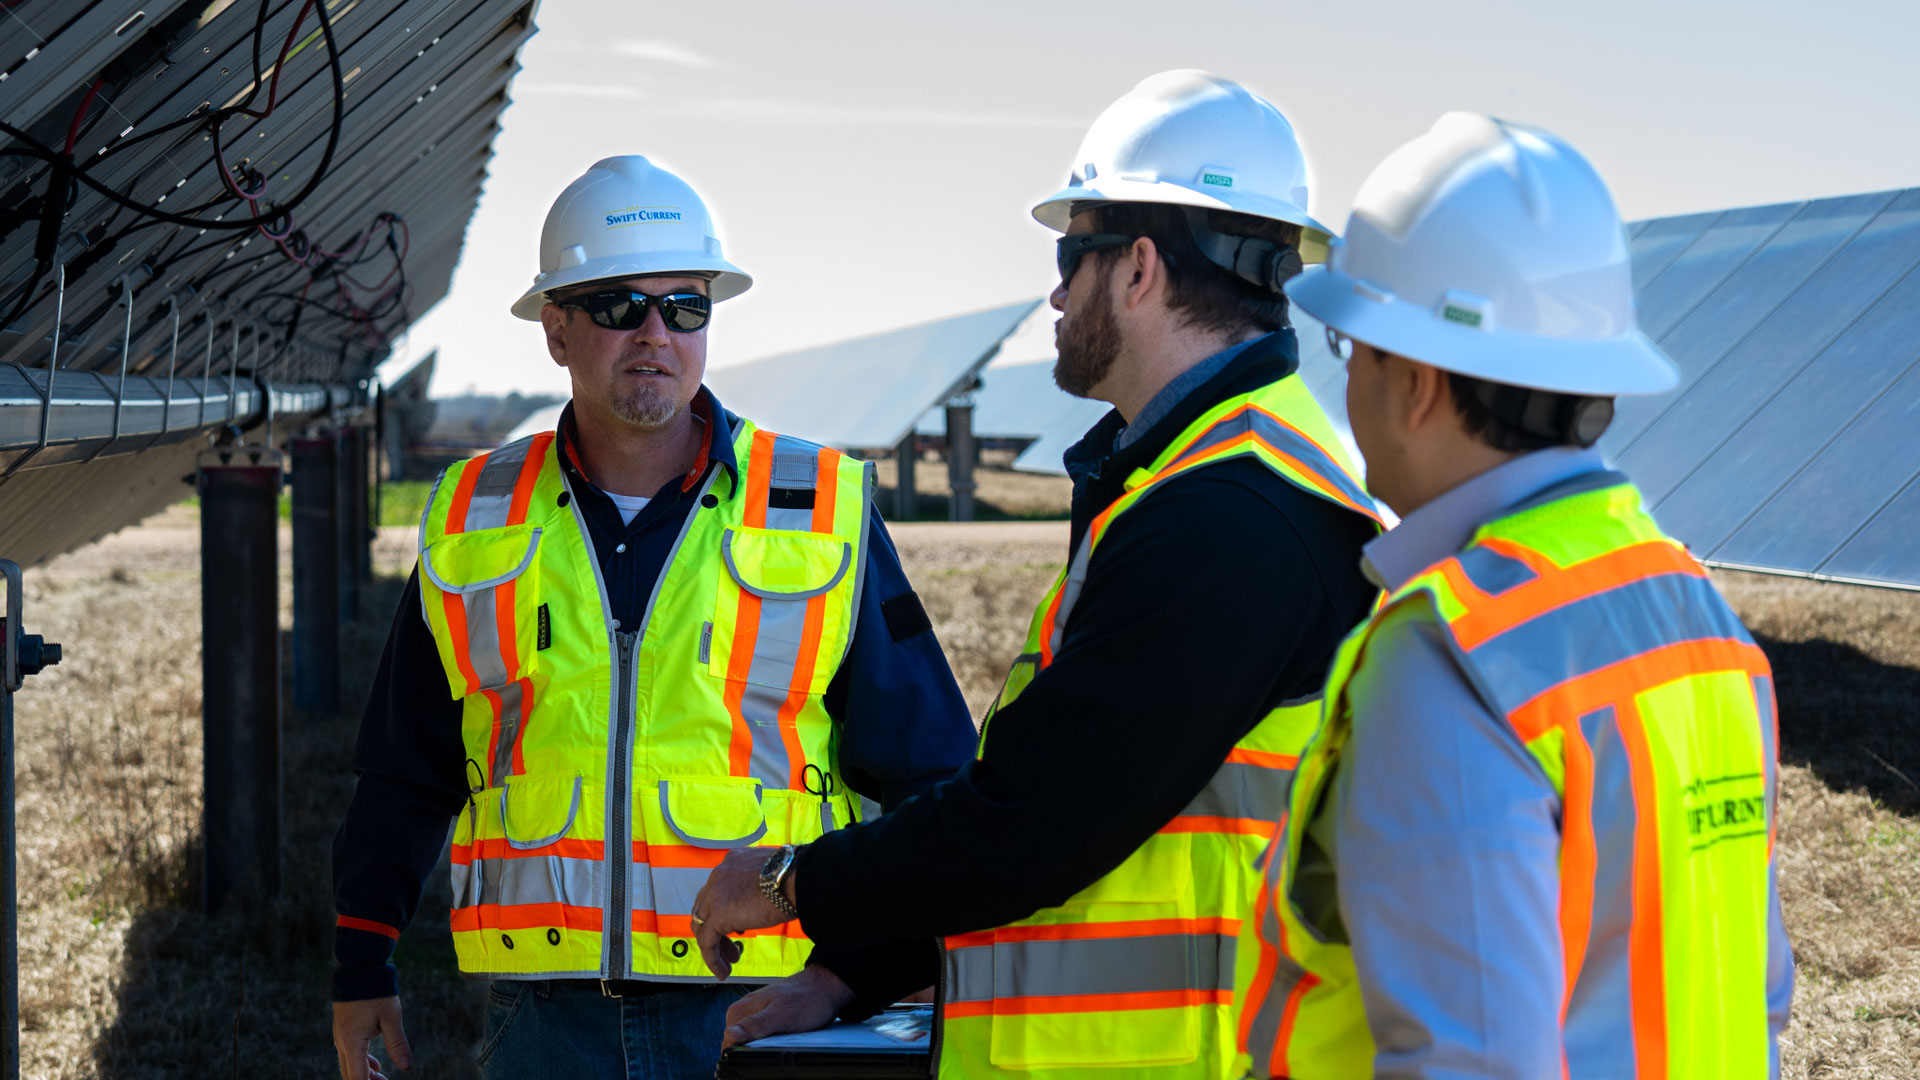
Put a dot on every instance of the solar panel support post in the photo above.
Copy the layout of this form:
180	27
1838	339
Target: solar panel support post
365	494
317	604
25	654
350	518
240	672
960	454
906	501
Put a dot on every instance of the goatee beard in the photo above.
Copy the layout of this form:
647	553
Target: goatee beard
1089	344
645	408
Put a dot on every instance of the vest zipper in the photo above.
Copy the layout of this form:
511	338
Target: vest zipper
620	836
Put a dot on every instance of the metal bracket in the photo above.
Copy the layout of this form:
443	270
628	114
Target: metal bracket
53	369
173	365
120	395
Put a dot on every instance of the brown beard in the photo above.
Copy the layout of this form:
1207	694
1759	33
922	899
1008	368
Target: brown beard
646	408
1089	344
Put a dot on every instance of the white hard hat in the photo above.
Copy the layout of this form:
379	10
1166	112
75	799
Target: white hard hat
1187	138
627	217
1492	250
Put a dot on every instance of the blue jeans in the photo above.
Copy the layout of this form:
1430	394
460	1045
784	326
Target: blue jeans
668	1031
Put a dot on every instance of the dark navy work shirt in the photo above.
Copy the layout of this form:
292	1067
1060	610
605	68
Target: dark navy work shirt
903	725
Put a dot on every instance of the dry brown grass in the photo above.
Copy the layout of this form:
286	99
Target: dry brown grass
122	978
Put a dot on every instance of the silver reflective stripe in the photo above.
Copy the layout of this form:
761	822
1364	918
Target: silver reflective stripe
674	888
1523	661
534	879
512	713
492	497
506	826
1764	705
666	811
1120	965
1242	790
1493	573
1287	441
1070	591
796	464
483	640
1263	1032
530	879
1599	1026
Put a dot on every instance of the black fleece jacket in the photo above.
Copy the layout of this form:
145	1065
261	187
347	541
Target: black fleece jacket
1209	602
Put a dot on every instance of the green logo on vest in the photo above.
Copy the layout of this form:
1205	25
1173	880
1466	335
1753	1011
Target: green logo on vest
1725	808
1461	315
1216	179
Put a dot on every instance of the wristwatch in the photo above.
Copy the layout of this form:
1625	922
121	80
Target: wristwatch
773	880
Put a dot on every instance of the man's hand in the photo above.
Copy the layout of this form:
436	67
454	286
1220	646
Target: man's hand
803	1002
731	903
355	1023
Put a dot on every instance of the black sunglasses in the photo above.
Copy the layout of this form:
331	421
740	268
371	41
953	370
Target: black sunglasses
623	309
1069	249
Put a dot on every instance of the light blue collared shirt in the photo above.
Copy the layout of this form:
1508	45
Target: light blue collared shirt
1441	837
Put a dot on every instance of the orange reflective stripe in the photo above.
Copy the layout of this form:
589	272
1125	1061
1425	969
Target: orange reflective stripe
652	922
1579	856
1266	759
1197	823
1093	931
1618	682
1263	968
685	856
1047	625
1095	1003
1647	980
525	917
1487	615
498	848
1280	1063
368	925
529	475
826	492
463	494
746	620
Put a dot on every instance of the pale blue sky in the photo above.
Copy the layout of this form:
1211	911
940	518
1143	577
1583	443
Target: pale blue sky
872	164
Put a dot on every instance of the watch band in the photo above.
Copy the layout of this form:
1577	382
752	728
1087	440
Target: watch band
773	876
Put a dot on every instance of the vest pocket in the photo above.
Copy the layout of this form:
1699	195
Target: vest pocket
713	812
764	615
483	605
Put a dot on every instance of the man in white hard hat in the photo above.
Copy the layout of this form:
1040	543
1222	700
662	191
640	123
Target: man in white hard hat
1534	834
1088	872
633	643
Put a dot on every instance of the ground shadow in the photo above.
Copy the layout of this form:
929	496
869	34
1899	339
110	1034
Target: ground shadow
245	992
1852	719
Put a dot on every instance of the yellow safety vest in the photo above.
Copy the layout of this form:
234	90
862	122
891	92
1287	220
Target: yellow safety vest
1137	968
611	766
1635	687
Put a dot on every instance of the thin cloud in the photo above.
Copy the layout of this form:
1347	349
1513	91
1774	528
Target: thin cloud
602	91
802	112
661	52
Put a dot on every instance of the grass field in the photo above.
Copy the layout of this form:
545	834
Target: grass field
121	977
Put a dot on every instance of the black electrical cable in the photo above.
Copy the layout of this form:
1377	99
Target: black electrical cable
259	33
64	164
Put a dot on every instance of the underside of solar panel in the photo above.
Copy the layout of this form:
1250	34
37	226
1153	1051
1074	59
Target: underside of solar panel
218	216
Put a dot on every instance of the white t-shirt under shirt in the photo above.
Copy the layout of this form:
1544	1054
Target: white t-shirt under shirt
629	505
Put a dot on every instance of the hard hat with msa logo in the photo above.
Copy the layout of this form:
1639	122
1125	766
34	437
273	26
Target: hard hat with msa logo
627	217
1187	138
1492	250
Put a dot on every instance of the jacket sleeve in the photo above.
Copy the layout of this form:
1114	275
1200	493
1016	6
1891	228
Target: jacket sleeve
903	724
1446	850
904	728
409	758
1203	607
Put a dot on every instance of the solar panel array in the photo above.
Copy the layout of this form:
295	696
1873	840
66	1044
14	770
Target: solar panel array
201	198
868	392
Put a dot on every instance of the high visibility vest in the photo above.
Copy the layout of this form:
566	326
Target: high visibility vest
1137	968
1625	674
611	767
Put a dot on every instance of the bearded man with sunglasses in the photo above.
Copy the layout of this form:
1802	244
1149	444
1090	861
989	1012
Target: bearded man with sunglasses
1089	871
653	635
